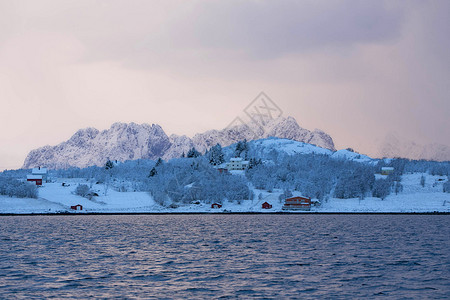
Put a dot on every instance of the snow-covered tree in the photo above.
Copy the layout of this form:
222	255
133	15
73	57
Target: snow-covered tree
241	147
15	188
422	181
153	172
109	165
398	187
159	162
356	183
381	188
286	194
257	162
215	155
446	186
193	153
82	190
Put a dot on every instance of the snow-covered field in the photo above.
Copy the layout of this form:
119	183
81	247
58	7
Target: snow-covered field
413	198
54	198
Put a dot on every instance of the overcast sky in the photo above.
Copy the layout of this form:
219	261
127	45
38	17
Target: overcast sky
359	70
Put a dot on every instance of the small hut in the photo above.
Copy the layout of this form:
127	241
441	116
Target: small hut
266	205
77	207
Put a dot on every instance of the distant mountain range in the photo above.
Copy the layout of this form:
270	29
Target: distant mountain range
133	141
394	146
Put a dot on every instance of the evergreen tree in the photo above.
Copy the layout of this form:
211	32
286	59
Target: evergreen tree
238	149
153	172
159	162
109	165
193	153
244	145
253	162
241	146
215	155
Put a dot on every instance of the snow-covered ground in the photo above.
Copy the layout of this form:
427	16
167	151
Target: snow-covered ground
420	202
413	198
54	198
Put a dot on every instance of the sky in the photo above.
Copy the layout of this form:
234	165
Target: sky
358	70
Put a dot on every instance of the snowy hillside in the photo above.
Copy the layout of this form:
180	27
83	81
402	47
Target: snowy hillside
351	155
133	141
275	169
56	198
264	147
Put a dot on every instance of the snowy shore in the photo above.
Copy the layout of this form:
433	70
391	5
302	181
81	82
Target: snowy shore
55	198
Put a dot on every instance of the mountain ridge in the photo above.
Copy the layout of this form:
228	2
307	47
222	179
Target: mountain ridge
125	141
395	146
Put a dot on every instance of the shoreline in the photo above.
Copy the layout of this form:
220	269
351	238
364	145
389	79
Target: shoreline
222	213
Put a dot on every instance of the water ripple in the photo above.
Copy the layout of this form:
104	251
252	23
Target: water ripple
225	256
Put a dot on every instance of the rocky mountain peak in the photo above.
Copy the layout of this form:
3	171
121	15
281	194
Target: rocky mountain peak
125	141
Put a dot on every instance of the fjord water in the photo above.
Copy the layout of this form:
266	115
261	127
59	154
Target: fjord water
225	256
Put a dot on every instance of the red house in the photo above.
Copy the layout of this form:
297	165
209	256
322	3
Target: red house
297	203
37	179
77	207
222	170
266	205
216	205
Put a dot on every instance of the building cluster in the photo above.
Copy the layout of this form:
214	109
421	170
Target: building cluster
39	176
293	203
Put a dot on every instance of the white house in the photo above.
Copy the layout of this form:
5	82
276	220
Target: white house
40	172
237	163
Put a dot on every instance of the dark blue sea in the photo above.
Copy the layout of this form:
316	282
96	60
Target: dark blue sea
225	256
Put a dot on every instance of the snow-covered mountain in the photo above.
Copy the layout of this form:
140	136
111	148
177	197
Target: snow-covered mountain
91	147
394	146
133	141
280	127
